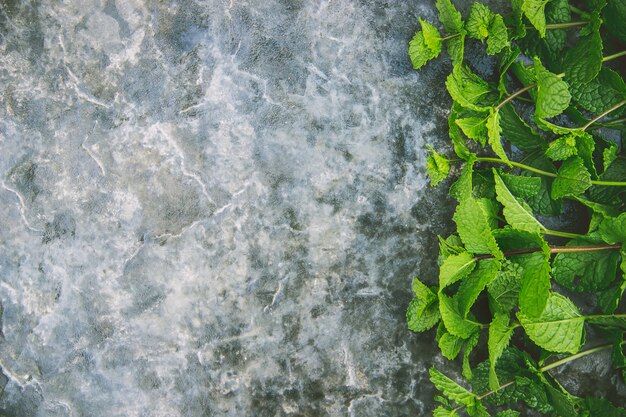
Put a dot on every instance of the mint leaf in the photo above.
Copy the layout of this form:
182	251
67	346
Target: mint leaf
451	389
558	329
456	324
600	406
494	131
437	167
562	148
522	186
499	337
449	16
573	179
553	96
498	38
583	62
468	347
517	213
454	268
473	228
456	48
613	229
504	289
474	128
479	21
460	148
585	271
615	16
449	344
423	311
517	131
609	299
473	285
462	188
535	13
444	412
425	45
535	288
508	413
468	89
600	94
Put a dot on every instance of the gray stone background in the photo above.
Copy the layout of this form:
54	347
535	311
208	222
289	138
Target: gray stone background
215	208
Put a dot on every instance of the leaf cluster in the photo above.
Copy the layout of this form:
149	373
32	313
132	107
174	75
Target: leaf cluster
541	134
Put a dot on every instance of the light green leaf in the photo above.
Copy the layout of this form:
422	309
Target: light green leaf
499	336
449	344
498	37
613	229
437	167
473	228
535	289
468	89
507	413
456	324
602	93
451	389
517	131
454	268
535	13
462	187
562	148
553	96
469	346
517	213
582	63
456	48
504	289
474	128
479	21
423	311
494	131
521	186
473	285
425	45
585	271
449	16
609	155
572	179
441	411
558	329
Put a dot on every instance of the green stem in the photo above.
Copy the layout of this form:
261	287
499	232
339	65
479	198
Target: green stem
600	116
515	94
545	173
555	249
580	12
610	57
563	25
451	37
558	233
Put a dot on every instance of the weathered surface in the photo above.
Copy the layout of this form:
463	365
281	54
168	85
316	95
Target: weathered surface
215	208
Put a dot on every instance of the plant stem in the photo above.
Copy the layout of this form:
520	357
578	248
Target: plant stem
546	173
610	57
563	25
515	94
555	249
557	233
579	12
600	116
451	37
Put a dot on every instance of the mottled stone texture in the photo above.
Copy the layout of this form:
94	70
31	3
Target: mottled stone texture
215	208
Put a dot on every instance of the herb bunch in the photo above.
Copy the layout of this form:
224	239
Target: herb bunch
529	141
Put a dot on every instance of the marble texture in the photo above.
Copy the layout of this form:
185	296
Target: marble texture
215	208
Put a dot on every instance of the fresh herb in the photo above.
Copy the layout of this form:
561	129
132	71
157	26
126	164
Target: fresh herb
540	134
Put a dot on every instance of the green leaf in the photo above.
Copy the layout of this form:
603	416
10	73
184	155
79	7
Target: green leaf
499	337
468	347
456	48
602	93
475	283
456	324
498	38
455	135
508	413
437	167
609	299
474	128
572	179
610	195
535	289
563	402
535	13
585	271
425	45
609	155
449	344
617	321
468	89
473	228
558	329
601	407
615	16
613	229
517	213
518	132
516	21
462	188
562	148
449	16
444	412
479	21
453	391
522	186
423	311
454	268
582	63
451	245
494	131
504	289
553	96
542	203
